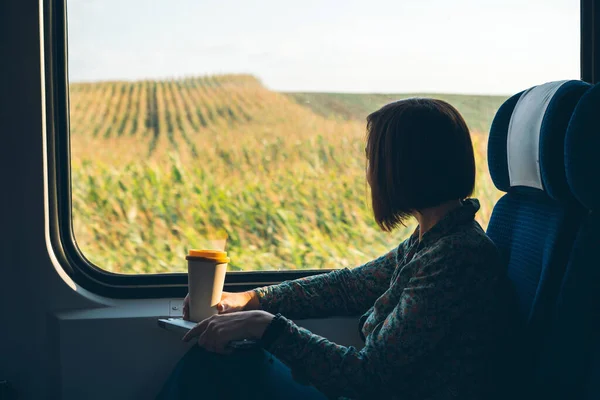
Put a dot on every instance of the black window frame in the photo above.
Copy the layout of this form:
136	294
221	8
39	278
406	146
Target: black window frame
590	41
62	239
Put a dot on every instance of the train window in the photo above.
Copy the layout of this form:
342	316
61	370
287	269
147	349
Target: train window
190	119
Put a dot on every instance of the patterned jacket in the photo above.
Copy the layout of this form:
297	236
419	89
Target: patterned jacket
431	317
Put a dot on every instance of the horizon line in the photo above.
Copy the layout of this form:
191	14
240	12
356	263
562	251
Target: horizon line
307	91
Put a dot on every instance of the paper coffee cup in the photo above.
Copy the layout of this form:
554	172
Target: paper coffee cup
206	277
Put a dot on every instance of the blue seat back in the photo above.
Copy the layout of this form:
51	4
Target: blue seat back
535	222
568	361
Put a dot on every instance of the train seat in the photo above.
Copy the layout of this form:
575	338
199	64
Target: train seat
534	224
569	363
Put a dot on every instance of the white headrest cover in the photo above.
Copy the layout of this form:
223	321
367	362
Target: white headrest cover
524	129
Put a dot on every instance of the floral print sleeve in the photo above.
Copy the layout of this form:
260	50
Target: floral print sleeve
421	315
430	334
340	292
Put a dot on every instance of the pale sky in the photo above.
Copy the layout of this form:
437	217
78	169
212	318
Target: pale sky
379	46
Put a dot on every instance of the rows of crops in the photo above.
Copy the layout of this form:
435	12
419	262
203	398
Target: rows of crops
159	166
172	111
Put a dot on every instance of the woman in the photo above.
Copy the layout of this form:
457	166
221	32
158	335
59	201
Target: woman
432	318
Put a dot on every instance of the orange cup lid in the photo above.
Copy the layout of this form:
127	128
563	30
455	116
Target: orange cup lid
215	255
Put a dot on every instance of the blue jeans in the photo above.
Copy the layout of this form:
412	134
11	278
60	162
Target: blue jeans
245	374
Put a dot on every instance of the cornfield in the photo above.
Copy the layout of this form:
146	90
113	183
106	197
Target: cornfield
159	167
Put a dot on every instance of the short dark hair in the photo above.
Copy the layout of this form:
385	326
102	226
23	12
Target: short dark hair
419	155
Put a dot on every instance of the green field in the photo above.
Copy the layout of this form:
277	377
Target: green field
478	111
162	166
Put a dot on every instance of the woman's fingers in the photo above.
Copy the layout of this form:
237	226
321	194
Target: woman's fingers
221	341
233	302
202	339
223	308
196	330
186	307
215	340
215	332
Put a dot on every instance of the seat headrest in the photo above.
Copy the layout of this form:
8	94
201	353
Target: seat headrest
526	142
582	150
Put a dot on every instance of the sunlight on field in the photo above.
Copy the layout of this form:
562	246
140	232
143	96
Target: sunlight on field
157	167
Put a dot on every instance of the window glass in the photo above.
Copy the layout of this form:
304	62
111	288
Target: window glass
193	118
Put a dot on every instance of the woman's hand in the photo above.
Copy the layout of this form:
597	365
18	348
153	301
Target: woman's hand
186	307
215	332
230	302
